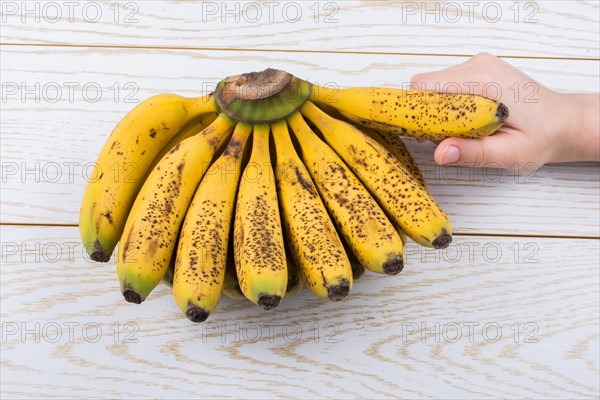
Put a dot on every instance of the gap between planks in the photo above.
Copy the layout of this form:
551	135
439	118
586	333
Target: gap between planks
121	47
467	234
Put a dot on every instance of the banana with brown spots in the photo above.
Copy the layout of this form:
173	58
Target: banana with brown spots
231	286
152	228
395	145
314	243
258	239
359	219
124	162
398	192
419	114
203	240
190	129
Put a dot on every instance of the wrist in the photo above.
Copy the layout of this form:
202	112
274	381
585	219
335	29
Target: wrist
577	137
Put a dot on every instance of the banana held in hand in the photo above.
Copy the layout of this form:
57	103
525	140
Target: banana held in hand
124	162
335	180
419	114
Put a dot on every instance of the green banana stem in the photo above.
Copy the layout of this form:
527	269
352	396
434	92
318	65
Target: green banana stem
262	97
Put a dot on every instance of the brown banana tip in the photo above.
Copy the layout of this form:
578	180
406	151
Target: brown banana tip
339	291
292	283
393	266
502	113
442	241
196	314
100	256
268	302
357	271
131	296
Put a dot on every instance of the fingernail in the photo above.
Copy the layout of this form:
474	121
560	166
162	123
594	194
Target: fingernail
450	155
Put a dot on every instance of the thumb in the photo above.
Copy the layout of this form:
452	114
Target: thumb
500	150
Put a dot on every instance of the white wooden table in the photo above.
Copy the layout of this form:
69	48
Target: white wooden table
509	310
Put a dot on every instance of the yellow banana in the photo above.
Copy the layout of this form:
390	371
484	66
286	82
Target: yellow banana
123	163
357	269
168	278
396	146
419	114
231	286
151	230
402	197
197	125
314	243
258	240
294	282
202	251
359	219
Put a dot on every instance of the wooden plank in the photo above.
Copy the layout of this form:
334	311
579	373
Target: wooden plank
532	307
49	147
509	28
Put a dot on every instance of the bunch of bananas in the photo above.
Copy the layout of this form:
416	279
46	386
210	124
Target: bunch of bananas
267	184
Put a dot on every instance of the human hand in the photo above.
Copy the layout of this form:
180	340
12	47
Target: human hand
544	126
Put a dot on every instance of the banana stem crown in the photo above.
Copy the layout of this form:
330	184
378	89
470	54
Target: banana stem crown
262	97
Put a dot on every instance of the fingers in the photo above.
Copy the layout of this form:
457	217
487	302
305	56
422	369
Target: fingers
471	77
500	150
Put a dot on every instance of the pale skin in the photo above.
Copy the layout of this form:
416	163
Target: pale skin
544	126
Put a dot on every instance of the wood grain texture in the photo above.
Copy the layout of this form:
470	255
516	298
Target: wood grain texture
492	316
49	147
381	342
511	28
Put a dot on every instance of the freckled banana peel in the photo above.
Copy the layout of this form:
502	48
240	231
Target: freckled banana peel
413	113
269	184
203	240
314	243
152	228
392	184
126	158
258	245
